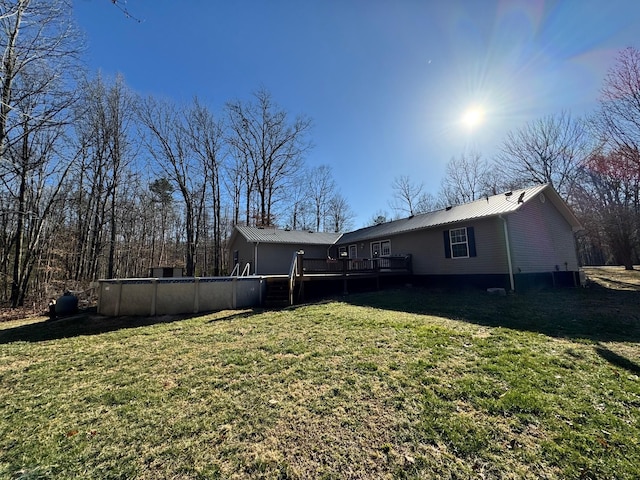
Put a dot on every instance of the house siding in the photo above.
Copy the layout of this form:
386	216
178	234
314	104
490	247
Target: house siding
490	256
275	259
245	253
428	252
541	240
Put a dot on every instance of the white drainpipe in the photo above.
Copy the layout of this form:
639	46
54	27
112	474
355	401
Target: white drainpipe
506	241
255	258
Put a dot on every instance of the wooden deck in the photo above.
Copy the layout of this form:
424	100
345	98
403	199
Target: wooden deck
284	290
327	268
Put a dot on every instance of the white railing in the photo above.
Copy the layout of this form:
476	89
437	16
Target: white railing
236	270
293	273
245	270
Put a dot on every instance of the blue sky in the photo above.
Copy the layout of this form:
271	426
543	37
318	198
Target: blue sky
385	82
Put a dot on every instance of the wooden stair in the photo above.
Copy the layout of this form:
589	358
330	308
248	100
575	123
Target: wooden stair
277	293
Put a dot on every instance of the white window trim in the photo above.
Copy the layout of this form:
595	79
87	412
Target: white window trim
452	243
382	254
379	244
355	248
372	249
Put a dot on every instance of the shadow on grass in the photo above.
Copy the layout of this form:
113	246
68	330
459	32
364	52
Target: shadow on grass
90	323
617	360
595	313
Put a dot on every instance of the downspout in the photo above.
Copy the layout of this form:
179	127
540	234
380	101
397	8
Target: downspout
255	258
506	241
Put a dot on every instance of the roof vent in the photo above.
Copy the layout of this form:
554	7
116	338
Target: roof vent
508	194
448	208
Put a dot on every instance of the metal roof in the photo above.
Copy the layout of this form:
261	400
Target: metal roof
486	207
298	237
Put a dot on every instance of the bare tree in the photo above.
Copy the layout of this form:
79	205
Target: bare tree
609	203
103	131
39	54
119	115
235	181
339	214
427	202
38	39
169	144
618	119
122	6
466	179
406	195
321	190
547	150
36	178
206	136
299	215
269	147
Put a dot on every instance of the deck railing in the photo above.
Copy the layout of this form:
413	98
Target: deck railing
236	270
396	263
293	273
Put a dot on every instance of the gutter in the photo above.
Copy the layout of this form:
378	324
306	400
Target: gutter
506	241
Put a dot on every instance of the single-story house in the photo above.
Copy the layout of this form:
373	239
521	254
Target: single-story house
512	240
270	251
509	240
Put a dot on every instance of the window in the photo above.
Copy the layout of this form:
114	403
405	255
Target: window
385	248
342	252
381	249
353	251
459	243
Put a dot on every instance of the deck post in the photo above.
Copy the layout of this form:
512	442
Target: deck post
300	260
345	267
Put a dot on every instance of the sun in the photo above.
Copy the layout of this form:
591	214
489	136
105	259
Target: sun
473	117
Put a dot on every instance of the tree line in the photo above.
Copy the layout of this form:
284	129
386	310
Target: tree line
593	162
97	181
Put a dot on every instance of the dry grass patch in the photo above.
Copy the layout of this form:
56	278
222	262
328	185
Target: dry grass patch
615	277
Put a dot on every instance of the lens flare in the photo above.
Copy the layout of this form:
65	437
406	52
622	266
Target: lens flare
473	117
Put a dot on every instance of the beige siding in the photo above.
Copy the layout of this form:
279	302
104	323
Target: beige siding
428	255
273	258
245	252
541	239
276	258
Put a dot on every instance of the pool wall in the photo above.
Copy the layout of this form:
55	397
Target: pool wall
169	296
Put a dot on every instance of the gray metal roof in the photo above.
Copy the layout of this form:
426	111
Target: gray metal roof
298	237
495	205
486	207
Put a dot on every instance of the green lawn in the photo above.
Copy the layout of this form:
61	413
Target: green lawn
402	384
